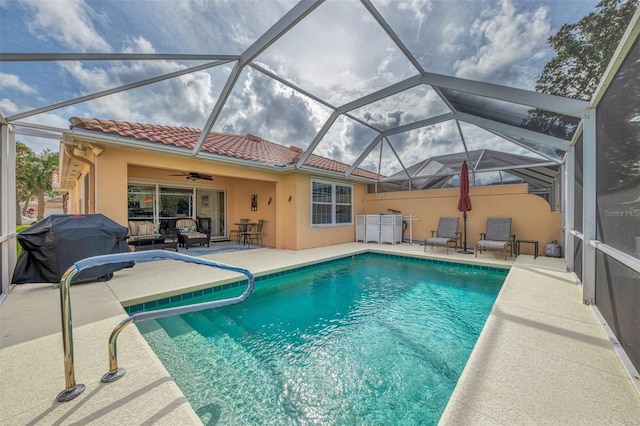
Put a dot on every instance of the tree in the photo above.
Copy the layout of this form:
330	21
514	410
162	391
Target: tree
584	49
40	177
24	158
583	52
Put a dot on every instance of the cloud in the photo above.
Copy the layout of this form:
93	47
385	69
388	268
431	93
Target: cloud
345	140
68	22
451	32
406	107
38	144
182	101
8	107
200	26
419	9
12	81
140	45
506	44
264	107
338	53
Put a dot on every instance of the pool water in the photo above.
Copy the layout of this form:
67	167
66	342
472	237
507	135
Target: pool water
364	340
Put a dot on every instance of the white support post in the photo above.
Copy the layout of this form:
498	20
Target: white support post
569	204
8	201
589	208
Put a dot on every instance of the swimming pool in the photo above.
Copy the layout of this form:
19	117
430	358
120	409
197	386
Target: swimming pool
363	340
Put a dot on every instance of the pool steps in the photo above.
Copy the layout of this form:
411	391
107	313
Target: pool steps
213	356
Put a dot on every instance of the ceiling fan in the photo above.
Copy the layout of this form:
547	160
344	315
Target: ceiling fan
194	176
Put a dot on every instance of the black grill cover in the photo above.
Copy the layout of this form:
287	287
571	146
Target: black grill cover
55	243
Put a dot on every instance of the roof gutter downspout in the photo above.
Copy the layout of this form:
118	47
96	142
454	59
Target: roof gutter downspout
92	177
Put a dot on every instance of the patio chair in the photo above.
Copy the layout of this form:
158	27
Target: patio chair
256	233
237	233
190	234
497	237
446	234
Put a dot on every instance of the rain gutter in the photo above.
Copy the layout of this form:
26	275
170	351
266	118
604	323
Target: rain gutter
68	149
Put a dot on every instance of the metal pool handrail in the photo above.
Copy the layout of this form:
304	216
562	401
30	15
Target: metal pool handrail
72	389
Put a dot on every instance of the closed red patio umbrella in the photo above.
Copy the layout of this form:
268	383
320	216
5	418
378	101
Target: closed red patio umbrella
464	202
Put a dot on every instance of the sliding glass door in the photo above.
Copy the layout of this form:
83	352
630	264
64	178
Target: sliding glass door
165	204
211	211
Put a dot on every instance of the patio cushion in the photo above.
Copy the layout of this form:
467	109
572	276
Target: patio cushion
437	241
194	235
140	228
186	225
496	245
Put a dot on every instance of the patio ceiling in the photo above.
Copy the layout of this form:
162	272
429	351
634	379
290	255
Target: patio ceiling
476	113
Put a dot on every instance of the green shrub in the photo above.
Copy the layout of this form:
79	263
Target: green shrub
18	229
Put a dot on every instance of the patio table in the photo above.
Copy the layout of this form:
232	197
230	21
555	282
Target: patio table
244	227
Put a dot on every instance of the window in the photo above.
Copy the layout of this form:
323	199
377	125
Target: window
86	195
141	202
176	203
331	203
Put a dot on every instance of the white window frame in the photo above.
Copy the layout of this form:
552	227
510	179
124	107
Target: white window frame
333	203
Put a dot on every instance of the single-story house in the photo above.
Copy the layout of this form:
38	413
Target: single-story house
131	171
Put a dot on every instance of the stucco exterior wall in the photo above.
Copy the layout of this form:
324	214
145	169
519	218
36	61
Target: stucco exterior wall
111	185
239	206
532	218
317	236
288	216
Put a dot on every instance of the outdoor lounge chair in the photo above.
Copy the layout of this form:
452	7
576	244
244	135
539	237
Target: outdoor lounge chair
143	235
497	237
190	234
446	234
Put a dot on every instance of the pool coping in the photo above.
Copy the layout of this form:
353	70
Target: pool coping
130	298
230	283
542	357
537	331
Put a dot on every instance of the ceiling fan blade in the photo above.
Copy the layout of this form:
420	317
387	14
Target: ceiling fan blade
194	176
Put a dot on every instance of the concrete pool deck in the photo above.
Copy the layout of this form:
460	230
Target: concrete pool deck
542	358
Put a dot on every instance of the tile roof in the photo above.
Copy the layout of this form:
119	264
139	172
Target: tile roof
249	147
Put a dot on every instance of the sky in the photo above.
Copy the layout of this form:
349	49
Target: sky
338	53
